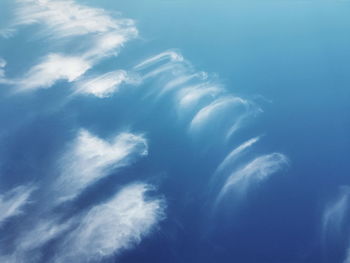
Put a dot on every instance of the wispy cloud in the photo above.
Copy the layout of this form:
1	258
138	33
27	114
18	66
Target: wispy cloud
334	216
12	202
90	158
114	226
43	232
217	111
170	55
28	245
254	172
65	19
231	158
52	68
3	64
106	84
190	96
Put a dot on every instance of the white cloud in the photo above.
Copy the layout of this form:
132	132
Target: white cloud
43	232
234	154
334	216
12	202
52	68
29	243
103	37
65	18
254	172
114	226
2	62
90	158
171	56
105	85
2	66
106	45
216	111
190	96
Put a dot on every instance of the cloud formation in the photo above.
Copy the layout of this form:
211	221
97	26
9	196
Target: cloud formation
254	172
65	19
114	226
217	111
2	70
90	158
12	202
230	159
169	55
106	84
52	68
334	216
192	95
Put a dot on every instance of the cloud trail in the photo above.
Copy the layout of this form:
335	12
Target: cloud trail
36	237
191	96
106	84
254	172
171	56
334	216
52	68
216	111
65	19
231	158
114	226
2	71
12	202
90	158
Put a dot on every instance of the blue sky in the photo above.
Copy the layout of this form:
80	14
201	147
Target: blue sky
174	131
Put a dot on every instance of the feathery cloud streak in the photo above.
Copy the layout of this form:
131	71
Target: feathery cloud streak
106	84
12	202
53	68
334	215
90	158
234	154
116	225
255	171
64	19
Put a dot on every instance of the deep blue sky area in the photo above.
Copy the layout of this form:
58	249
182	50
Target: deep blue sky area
278	71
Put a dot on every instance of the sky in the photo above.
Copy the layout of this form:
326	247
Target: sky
174	131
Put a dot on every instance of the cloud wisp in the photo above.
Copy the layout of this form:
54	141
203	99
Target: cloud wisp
52	68
13	202
2	66
254	172
195	93
170	55
105	230
335	227
217	111
65	19
90	158
111	227
230	160
105	85
334	215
